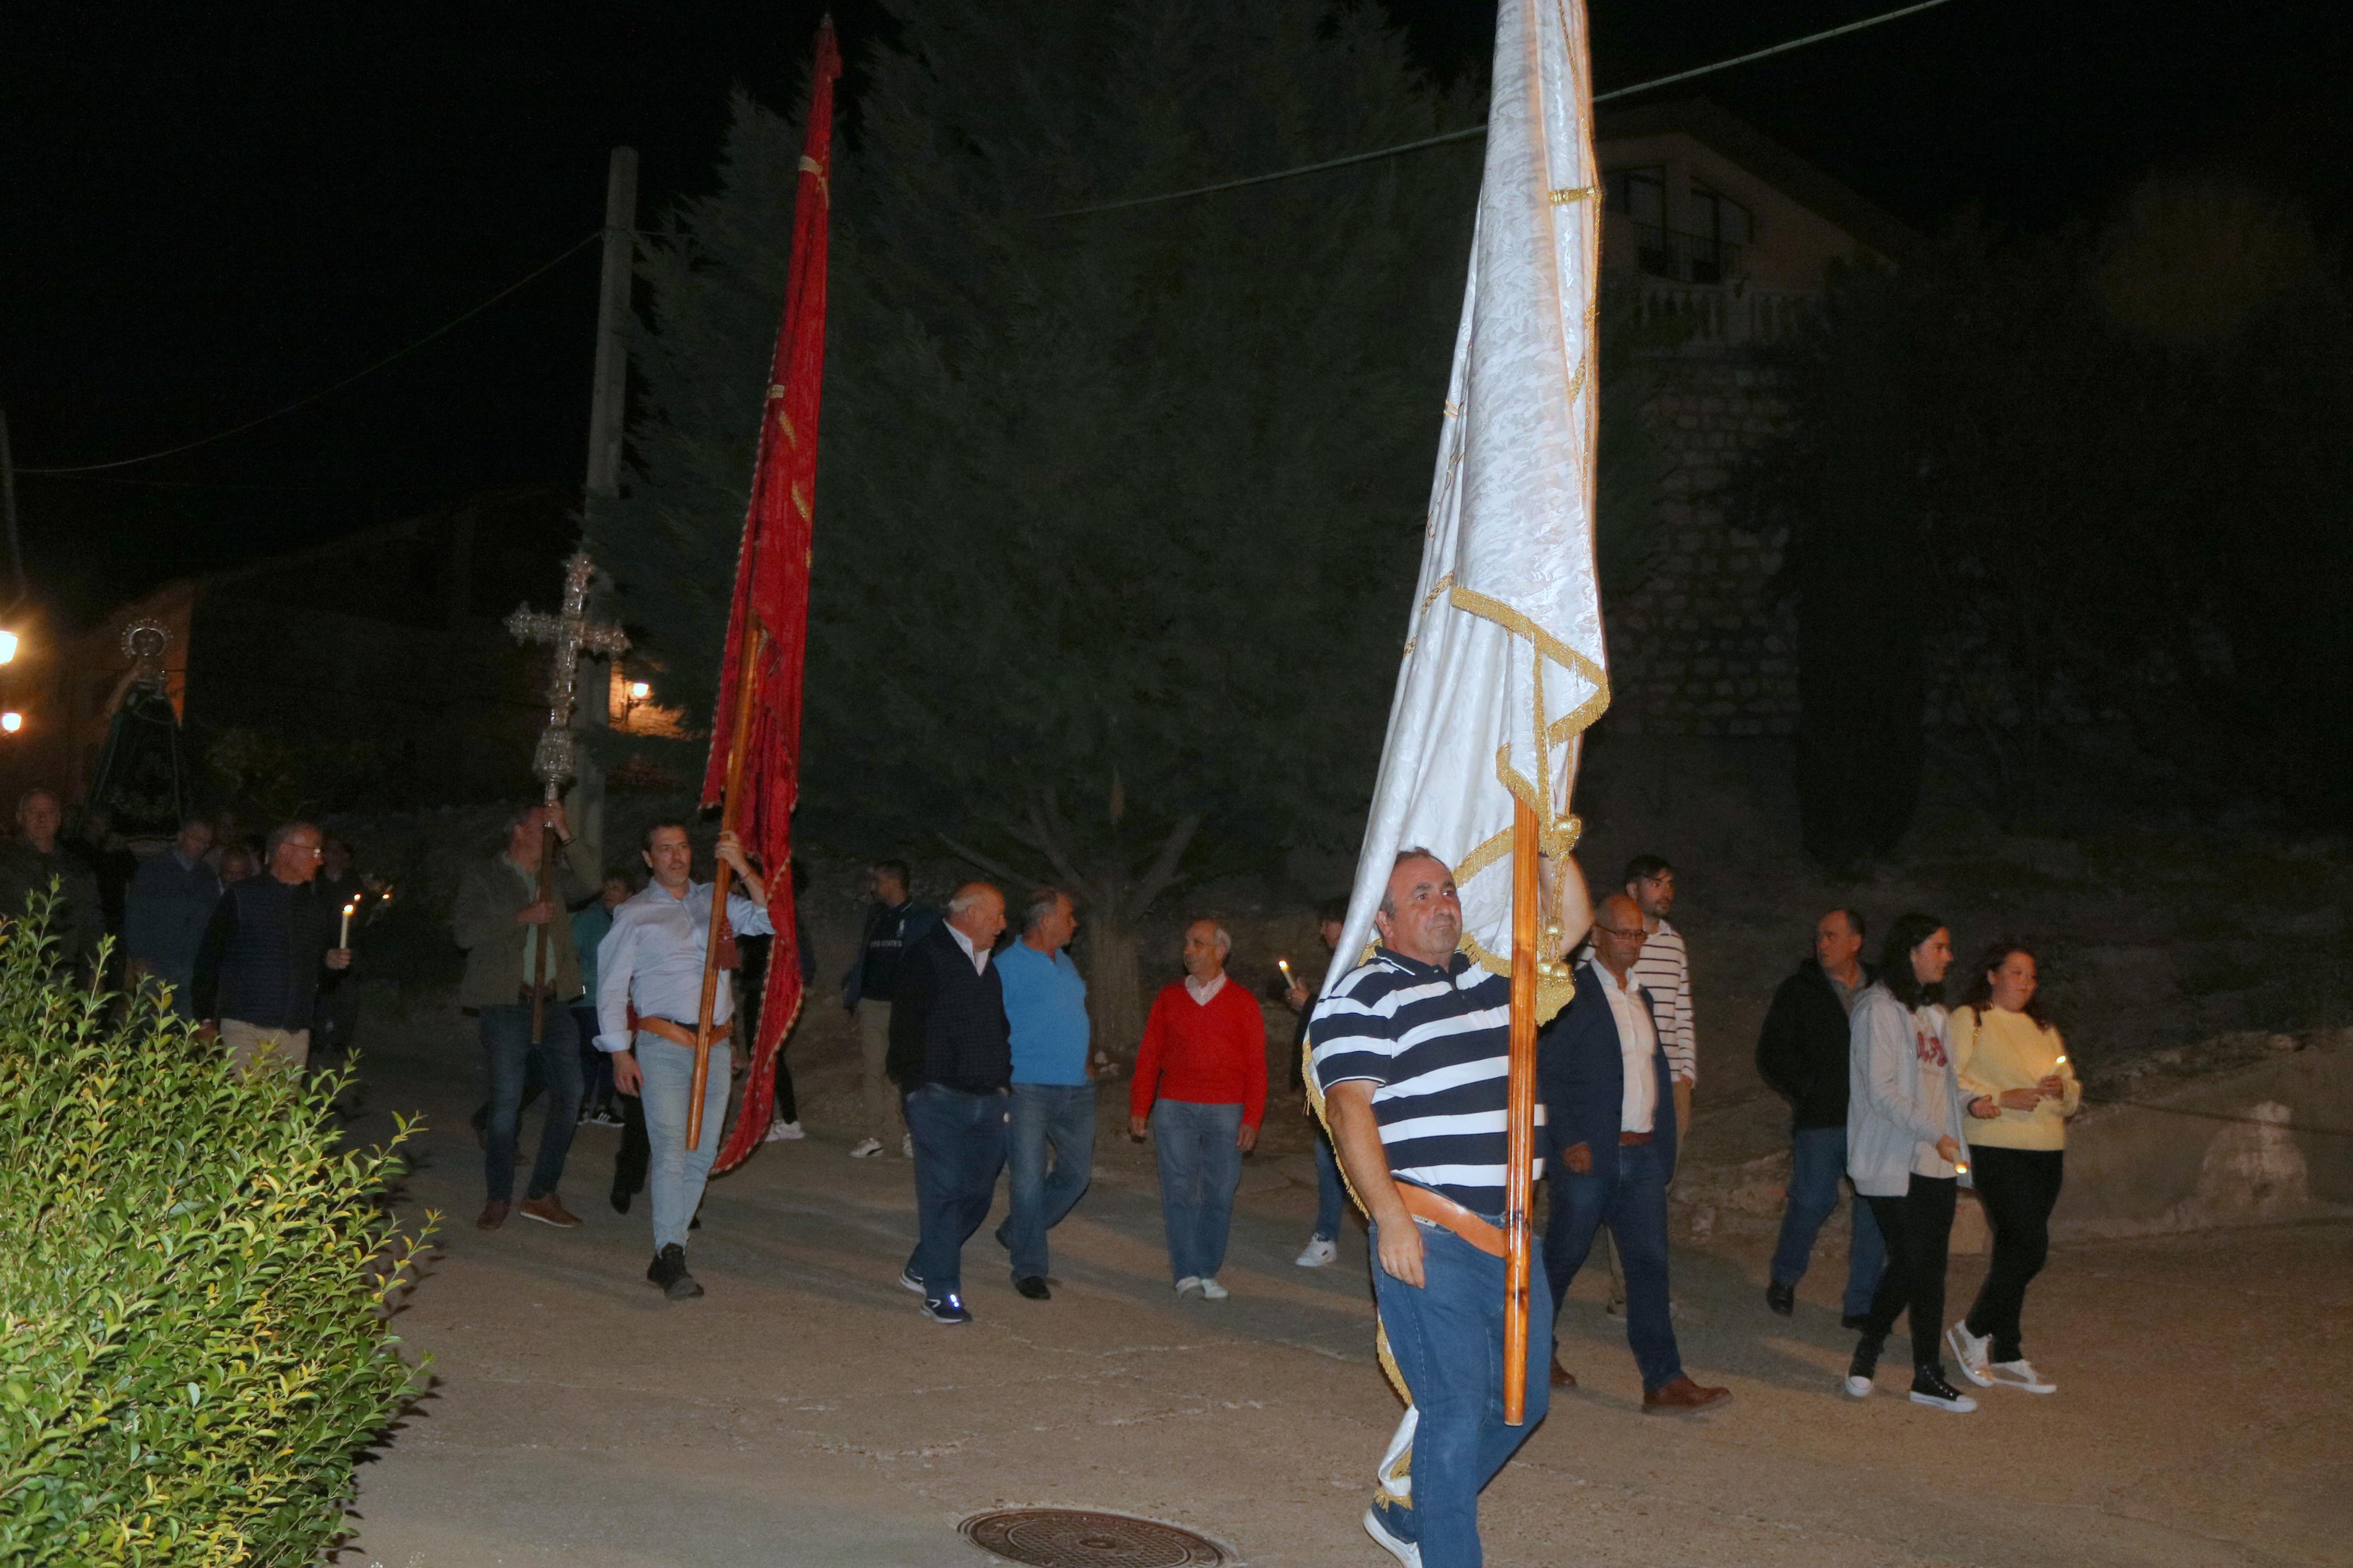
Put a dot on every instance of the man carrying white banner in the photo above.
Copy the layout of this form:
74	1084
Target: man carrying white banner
1423	1058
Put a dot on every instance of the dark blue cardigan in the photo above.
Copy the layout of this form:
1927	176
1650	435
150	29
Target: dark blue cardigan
1581	1078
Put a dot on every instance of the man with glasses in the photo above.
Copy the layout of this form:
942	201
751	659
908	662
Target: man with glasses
270	939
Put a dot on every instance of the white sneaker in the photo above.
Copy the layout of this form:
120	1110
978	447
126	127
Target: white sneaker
1317	1253
907	1146
1188	1285
866	1148
907	1282
1213	1291
1857	1387
783	1132
2020	1374
1969	1349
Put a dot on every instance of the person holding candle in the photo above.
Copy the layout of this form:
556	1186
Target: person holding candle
269	939
2009	1058
335	1017
1905	1152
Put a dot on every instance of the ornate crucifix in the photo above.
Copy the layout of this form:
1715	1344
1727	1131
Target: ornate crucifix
571	633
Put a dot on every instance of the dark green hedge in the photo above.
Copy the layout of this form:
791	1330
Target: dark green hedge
193	1279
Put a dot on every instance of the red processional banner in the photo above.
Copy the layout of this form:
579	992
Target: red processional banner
771	609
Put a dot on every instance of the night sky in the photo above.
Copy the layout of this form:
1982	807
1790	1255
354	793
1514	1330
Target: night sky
211	211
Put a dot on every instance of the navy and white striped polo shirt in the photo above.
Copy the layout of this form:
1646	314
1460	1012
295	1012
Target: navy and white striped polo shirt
1435	1043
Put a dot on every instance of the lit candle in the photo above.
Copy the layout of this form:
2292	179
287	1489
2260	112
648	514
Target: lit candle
1284	964
346	939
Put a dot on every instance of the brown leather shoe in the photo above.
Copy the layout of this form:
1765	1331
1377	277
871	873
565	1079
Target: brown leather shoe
1561	1376
1681	1397
550	1210
493	1214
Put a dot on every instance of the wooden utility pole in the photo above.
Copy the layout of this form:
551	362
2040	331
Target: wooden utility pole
607	424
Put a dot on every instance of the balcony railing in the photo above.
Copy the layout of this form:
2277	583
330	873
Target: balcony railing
1682	257
1714	315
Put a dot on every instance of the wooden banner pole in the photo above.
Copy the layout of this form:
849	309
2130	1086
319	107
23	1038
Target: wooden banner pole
747	683
1520	1113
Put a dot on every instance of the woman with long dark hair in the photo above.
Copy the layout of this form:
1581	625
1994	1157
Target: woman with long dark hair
2010	1059
1905	1154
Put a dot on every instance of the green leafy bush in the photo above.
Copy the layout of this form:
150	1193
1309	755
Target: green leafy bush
193	1282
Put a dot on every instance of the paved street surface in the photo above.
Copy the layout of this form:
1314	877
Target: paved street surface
805	1413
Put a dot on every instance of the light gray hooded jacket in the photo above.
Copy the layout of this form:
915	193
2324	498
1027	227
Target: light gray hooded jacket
1902	1095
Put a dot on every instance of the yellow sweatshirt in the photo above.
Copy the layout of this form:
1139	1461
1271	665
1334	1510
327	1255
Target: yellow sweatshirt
2004	1050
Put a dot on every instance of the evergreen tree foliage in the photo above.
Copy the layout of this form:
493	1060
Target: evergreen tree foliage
1118	510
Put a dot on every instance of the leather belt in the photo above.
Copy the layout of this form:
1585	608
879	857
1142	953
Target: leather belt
1423	1204
676	1034
1627	1140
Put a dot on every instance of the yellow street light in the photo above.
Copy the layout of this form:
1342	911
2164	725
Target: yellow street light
7	648
12	720
639	690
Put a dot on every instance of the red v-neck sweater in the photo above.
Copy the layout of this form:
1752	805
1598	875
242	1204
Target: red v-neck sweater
1211	1056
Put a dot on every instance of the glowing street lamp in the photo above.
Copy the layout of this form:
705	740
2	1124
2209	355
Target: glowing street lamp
640	691
7	648
12	720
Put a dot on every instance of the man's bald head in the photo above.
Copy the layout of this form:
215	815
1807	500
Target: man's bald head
1617	934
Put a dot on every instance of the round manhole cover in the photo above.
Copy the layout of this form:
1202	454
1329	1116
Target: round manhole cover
1088	1538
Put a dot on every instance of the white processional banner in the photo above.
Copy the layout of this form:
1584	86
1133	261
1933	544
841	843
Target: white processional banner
1504	663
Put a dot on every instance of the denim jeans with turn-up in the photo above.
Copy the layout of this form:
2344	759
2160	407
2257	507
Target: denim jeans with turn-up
959	1149
678	1173
1447	1340
1059	1117
1816	1163
1201	1166
507	1054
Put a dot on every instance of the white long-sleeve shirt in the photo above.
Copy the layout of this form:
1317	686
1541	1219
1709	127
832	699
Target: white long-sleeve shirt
1664	968
653	958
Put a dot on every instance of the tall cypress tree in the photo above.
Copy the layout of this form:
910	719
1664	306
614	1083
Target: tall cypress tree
1116	514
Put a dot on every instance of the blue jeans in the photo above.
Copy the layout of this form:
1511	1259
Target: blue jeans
1816	1162
595	1066
1063	1116
1447	1338
1634	1206
676	1172
959	1149
1330	1196
1201	1166
507	1054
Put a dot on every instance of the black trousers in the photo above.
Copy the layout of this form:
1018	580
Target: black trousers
2019	1188
1919	1231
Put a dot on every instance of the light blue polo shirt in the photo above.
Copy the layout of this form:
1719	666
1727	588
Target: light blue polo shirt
1046	1003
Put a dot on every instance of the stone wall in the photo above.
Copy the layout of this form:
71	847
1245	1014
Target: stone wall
1703	647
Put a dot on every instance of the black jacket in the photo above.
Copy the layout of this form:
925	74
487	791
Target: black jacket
947	1023
264	953
1802	1051
874	972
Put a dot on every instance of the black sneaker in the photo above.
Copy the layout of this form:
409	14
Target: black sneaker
1033	1286
1855	1322
1782	1298
1860	1370
668	1271
1929	1387
948	1308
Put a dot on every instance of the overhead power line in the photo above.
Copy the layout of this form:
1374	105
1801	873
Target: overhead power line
1472	132
536	273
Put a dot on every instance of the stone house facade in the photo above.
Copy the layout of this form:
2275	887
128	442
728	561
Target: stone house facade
1731	236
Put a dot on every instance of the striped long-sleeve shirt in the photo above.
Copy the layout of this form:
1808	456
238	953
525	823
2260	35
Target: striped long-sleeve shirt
1435	1045
1664	970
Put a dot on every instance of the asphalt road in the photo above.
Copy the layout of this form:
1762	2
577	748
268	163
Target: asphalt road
804	1412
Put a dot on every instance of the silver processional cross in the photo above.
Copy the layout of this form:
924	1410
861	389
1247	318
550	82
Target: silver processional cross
571	633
